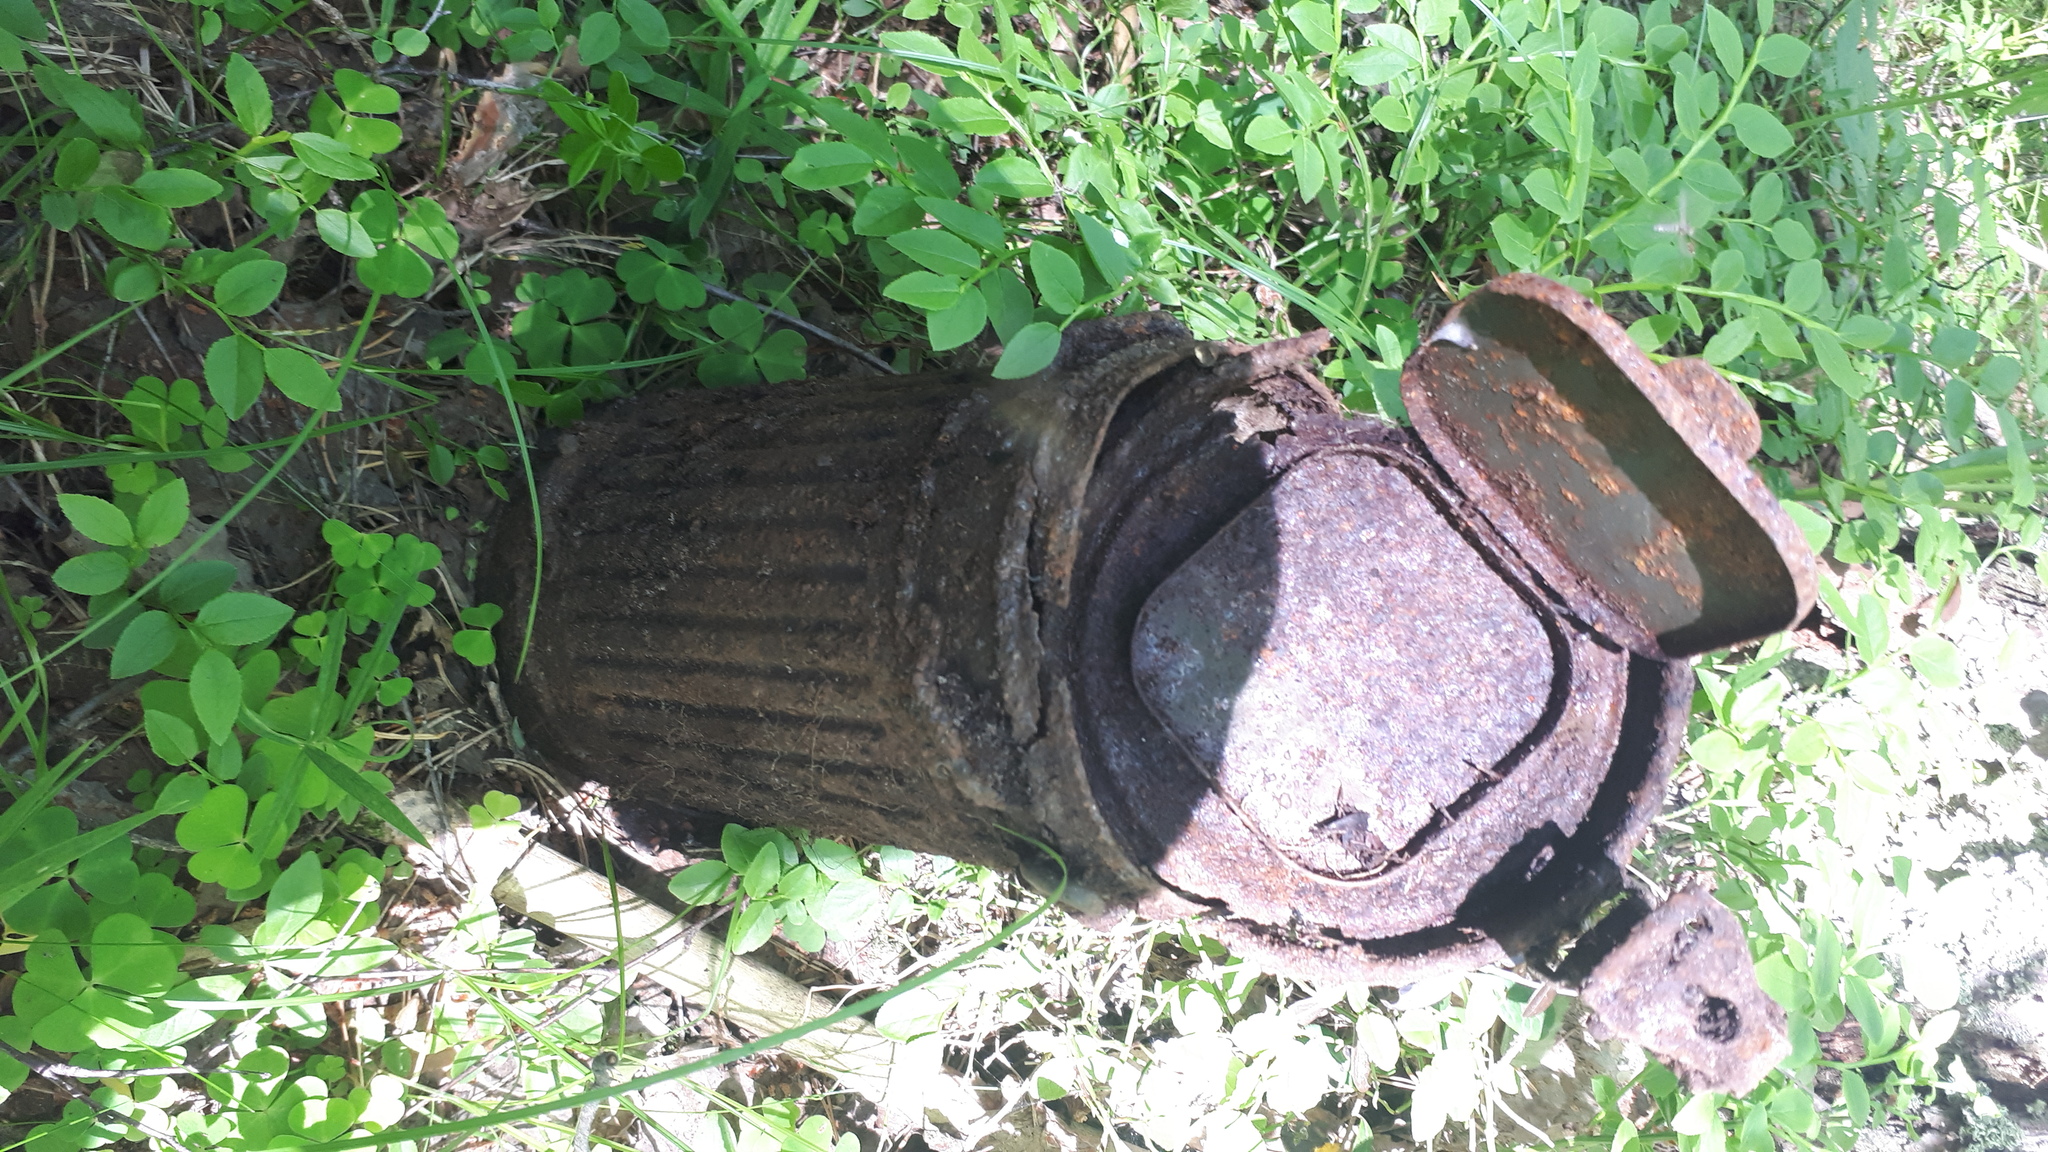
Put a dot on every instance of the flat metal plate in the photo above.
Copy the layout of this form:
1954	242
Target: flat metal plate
1625	484
1343	663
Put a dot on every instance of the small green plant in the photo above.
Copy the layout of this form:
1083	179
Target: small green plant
809	893
496	808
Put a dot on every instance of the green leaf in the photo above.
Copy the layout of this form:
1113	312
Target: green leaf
1029	351
128	955
427	229
645	22
1664	263
1731	341
1629	163
233	619
1009	302
1518	245
361	94
1016	177
169	737
1827	352
117	119
737	321
22	18
1953	345
78	165
1783	55
96	519
1935	658
131	220
938	250
21	876
956	325
1393	113
927	291
482	615
294	900
1856	1094
1777	335
1729	272
145	642
2016	461
1653	332
326	156
1726	39
1794	238
1613	30
762	873
357	784
475	645
234	373
133	281
300	377
1058	277
597	39
834	859
216	690
1112	259
163	515
229	865
1712	179
1760	131
1546	189
249	287
176	187
1865	331
1766	197
248	96
831	164
92	574
1309	169
975	116
752	927
396	270
925	50
922	1011
886	209
1269	134
344	232
1805	281
782	356
1699	1112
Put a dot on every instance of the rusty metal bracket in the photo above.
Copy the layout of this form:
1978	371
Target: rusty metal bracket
1683	986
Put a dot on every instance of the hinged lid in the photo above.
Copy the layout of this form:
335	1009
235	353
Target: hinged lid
1623	483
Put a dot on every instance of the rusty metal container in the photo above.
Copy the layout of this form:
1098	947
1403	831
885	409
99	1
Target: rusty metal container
1374	702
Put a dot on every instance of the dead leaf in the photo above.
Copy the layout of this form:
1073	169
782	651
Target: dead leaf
502	120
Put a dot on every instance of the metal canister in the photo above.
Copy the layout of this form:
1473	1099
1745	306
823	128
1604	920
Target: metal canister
1373	701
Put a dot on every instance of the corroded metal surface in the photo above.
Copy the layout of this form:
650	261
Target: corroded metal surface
1373	702
1624	484
1286	657
1683	986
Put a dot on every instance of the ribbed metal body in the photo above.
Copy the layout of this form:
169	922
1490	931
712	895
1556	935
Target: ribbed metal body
821	604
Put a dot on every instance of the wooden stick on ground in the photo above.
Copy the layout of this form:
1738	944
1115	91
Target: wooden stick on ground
903	1080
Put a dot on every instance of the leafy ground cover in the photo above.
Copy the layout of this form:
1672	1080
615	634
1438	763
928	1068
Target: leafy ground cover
290	289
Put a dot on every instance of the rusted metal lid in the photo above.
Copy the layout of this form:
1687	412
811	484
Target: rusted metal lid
1345	664
1624	483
